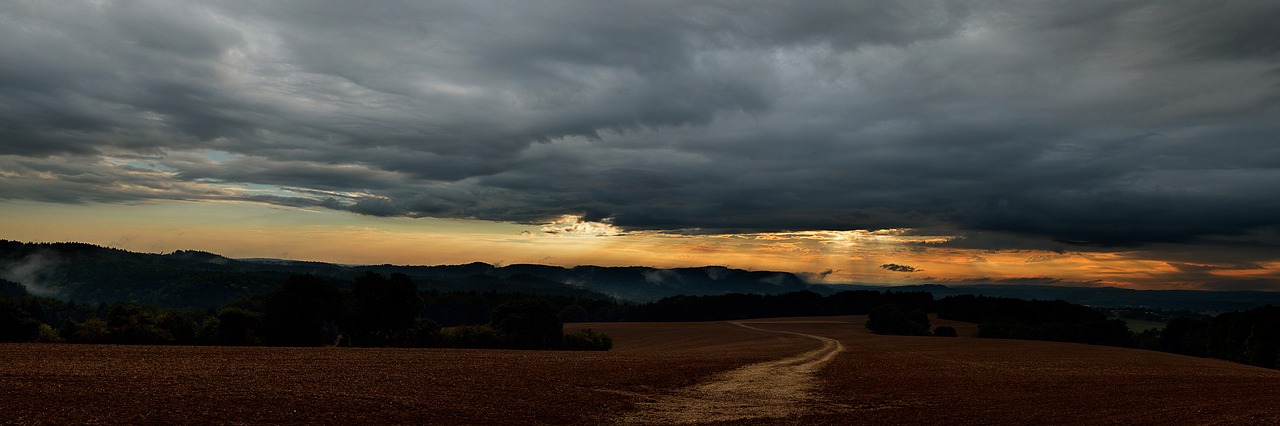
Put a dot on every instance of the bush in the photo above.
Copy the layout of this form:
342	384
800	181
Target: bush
944	331
587	340
46	334
470	336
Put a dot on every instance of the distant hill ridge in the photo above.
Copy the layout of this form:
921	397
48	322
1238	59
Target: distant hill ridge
187	278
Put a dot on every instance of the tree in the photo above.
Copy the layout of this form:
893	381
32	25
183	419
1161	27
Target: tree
424	334
16	325
180	326
528	323
1262	345
1187	336
234	327
573	313
1112	332
135	324
93	330
382	310
10	288
304	311
896	319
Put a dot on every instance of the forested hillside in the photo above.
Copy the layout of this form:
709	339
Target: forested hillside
184	279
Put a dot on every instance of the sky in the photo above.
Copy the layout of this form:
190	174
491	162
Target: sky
1120	143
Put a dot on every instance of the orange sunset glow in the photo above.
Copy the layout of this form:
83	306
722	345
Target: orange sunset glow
831	257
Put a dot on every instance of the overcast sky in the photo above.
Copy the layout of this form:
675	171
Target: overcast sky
1061	126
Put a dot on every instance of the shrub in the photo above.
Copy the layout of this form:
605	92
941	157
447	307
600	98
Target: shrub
46	334
470	336
587	340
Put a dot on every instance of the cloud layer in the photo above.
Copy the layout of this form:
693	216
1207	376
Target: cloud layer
1088	122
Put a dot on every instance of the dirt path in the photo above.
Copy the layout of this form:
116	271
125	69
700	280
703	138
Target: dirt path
781	388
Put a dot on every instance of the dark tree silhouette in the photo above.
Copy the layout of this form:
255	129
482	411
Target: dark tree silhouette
1187	336
898	320
16	325
132	323
382	310
573	313
304	311
233	327
528	323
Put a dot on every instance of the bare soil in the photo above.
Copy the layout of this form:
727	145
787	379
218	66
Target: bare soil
774	389
935	380
111	384
782	371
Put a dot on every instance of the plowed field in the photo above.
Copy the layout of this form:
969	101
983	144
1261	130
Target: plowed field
789	371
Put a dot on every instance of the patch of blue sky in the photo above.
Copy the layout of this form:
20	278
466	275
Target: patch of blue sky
258	188
218	156
255	188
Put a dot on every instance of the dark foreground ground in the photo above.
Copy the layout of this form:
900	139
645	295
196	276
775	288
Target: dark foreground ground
933	380
876	380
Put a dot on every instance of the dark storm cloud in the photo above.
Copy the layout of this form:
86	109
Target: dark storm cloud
898	268
337	177
1031	124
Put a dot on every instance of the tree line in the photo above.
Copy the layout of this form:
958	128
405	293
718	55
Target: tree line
1054	320
378	310
305	310
1249	337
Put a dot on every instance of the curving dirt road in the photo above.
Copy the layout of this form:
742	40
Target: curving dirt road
773	389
